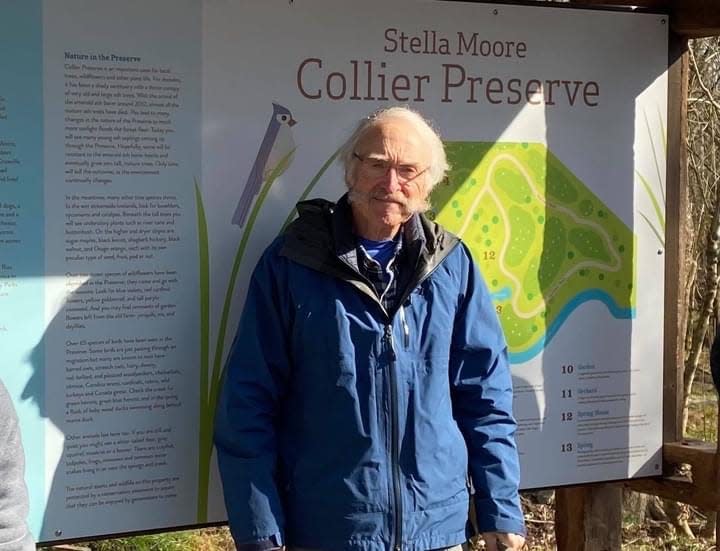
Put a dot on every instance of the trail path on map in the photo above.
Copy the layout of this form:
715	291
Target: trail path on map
544	241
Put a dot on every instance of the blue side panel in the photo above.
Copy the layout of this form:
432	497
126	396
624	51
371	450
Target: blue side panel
22	258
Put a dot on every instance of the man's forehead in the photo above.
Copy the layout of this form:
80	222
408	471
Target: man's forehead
393	133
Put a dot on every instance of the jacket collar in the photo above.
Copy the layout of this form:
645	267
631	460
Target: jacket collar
322	237
346	240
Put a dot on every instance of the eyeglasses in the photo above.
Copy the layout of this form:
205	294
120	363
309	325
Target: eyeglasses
377	168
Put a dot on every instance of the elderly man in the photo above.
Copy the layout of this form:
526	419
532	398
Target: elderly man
368	390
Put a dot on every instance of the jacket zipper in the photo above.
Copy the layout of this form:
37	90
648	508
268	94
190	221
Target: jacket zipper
426	273
394	386
395	437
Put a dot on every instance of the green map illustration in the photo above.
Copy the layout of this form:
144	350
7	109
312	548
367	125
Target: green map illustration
544	242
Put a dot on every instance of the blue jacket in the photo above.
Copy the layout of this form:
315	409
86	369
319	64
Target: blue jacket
343	426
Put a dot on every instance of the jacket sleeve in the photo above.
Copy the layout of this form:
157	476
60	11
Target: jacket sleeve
245	421
481	392
14	534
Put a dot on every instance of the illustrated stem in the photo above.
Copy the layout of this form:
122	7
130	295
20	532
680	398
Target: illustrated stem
205	428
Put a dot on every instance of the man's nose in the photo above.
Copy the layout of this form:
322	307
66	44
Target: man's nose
391	180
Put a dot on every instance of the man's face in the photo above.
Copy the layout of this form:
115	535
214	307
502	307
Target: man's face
389	178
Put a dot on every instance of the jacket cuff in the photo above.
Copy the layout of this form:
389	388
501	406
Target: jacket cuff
266	544
510	521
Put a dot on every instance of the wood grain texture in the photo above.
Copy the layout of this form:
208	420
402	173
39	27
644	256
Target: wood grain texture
676	239
700	487
691	18
589	518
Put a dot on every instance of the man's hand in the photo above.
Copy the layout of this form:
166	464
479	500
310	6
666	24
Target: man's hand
499	541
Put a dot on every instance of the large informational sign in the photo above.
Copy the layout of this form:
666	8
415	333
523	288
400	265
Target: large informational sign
150	150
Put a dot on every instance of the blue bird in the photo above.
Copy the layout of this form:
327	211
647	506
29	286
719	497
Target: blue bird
277	147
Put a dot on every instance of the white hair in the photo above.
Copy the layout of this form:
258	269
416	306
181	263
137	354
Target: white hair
438	165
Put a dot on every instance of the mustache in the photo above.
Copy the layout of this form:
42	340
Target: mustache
407	206
390	198
355	195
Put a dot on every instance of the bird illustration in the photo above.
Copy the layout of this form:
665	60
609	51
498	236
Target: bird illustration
277	147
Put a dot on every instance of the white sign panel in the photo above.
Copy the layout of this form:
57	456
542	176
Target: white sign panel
147	158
